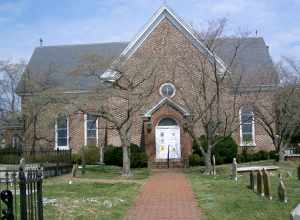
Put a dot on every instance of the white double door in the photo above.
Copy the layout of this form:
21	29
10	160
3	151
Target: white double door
167	142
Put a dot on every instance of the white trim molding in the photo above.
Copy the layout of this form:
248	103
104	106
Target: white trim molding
166	12
85	130
67	147
168	101
242	143
167	84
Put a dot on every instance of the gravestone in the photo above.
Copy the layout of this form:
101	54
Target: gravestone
282	190
267	184
252	180
298	172
214	165
295	214
74	170
234	169
22	164
260	184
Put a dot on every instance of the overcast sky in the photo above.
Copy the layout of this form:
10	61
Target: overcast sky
23	22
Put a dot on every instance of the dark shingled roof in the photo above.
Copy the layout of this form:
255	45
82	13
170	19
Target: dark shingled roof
58	62
252	59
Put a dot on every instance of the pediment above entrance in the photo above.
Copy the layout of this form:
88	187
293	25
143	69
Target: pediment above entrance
169	102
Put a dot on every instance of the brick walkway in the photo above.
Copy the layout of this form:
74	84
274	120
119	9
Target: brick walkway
167	195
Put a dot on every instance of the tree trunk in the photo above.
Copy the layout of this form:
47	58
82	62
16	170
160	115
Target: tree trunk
126	161
208	166
281	153
101	154
83	160
207	157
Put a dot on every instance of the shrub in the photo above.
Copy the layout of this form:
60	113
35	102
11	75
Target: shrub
195	160
245	156
225	150
273	155
91	153
76	158
114	156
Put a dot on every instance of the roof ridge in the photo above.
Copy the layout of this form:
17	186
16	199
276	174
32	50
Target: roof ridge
84	44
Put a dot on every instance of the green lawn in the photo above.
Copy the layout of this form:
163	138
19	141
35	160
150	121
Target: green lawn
222	199
112	173
89	196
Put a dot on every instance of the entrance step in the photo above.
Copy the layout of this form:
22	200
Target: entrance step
164	164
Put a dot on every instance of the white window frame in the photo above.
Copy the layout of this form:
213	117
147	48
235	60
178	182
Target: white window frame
166	84
253	144
56	136
85	130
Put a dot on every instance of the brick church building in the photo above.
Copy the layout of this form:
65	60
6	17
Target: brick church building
160	124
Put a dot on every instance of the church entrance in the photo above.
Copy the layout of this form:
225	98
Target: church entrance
167	139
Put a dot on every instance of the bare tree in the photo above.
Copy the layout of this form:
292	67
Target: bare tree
214	98
120	95
281	120
10	74
40	101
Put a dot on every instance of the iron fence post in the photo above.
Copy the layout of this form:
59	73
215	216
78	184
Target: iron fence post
40	194
23	202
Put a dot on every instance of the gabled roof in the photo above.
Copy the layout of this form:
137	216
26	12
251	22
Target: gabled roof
252	60
166	12
167	101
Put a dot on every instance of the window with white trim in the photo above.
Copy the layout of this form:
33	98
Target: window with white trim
167	90
62	132
91	129
247	133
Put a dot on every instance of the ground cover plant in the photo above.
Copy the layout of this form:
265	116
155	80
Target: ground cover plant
101	193
221	198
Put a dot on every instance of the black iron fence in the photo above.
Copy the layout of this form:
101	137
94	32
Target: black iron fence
13	156
21	194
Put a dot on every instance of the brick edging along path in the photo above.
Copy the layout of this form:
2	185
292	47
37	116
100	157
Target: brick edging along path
166	195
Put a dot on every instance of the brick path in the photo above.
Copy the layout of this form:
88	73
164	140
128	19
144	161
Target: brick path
167	195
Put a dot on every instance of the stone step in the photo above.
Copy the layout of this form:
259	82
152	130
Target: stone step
164	164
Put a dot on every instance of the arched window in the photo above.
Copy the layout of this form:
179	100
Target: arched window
91	130
62	132
247	134
167	122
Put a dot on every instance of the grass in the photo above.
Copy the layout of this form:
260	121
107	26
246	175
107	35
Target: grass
222	199
112	173
92	198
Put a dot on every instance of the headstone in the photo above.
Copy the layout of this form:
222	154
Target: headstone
298	172
74	170
282	190
22	164
267	184
234	169
214	165
260	184
252	180
295	214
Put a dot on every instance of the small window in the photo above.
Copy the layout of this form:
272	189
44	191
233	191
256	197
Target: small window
62	132
247	128
91	132
167	90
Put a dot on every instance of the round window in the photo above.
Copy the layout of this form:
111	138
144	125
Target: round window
167	90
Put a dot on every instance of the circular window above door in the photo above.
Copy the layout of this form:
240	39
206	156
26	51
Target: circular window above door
167	90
